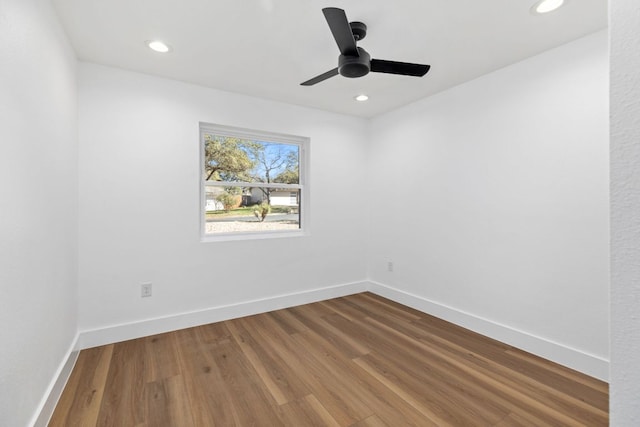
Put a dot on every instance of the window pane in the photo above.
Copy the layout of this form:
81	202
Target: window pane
244	209
251	182
230	159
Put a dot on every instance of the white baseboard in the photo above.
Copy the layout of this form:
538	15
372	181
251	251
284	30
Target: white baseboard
54	391
127	331
588	364
575	359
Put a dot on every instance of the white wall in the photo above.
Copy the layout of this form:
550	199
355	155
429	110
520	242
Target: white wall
625	212
38	189
139	202
493	203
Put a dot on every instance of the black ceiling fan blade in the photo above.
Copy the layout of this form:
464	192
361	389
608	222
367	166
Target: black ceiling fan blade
403	68
341	30
320	78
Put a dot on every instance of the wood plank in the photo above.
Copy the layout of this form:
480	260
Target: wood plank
161	357
575	377
372	421
388	405
360	361
322	412
88	379
209	403
437	384
375	304
344	405
288	321
250	399
477	349
179	408
494	376
331	332
303	413
123	401
156	405
272	371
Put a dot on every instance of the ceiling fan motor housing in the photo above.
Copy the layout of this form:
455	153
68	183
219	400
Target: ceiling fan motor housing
355	66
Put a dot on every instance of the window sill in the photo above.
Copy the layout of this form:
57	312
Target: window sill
225	237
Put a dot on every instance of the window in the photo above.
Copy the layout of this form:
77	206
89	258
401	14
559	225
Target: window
253	184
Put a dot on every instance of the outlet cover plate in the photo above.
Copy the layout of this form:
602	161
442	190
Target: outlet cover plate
145	290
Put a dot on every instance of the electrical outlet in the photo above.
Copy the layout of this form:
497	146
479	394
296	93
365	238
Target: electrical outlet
145	290
390	266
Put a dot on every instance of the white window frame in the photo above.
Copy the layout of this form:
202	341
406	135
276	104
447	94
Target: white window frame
302	186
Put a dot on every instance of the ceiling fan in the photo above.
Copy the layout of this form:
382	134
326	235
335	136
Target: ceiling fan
354	61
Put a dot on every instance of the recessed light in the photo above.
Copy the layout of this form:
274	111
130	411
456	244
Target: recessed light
158	46
361	98
546	6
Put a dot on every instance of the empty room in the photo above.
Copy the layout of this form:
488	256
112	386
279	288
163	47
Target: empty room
288	213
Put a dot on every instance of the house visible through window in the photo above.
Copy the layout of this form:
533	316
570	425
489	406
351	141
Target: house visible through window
252	183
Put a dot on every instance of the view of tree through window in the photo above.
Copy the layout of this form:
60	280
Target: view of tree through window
250	184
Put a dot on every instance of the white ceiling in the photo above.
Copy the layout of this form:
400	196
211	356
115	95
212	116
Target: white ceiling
266	48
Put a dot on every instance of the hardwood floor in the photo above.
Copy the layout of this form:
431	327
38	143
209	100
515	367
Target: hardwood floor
359	360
